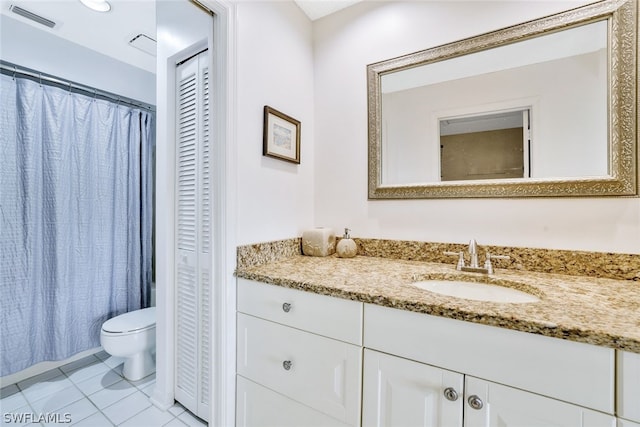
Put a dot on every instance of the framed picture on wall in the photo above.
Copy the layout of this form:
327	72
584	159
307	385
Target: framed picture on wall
281	138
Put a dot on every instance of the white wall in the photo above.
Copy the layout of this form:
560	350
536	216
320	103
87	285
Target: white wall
274	67
25	45
373	31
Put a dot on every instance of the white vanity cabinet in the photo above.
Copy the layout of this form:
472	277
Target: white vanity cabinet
628	390
305	359
299	357
510	378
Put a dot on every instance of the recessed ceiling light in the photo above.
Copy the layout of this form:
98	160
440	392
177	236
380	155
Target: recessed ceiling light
97	5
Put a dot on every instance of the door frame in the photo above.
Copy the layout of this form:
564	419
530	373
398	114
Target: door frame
222	44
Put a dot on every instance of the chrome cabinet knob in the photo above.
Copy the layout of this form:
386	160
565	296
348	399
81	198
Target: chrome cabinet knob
450	394
286	307
286	365
475	402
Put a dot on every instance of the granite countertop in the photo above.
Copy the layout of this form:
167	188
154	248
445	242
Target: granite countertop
598	311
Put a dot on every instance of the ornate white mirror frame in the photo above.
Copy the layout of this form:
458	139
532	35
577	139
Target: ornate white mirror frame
622	179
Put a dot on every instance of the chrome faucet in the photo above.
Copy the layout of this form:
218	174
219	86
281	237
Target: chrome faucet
473	259
473	253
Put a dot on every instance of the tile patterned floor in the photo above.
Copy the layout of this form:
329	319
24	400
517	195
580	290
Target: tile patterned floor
90	392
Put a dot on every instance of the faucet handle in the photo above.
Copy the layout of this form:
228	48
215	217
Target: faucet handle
460	256
487	262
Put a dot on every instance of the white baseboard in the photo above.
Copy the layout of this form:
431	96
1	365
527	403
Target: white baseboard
162	402
43	367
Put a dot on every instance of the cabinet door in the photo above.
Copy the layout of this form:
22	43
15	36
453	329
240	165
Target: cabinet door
491	404
628	385
627	423
257	406
401	392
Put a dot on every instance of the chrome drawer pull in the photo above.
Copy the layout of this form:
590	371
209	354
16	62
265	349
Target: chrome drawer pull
475	402
286	307
450	394
286	365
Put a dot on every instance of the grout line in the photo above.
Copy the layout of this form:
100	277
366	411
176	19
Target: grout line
86	396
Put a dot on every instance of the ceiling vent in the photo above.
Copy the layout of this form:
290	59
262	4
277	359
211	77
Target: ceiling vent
32	16
144	43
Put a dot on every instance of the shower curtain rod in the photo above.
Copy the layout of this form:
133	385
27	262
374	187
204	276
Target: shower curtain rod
10	69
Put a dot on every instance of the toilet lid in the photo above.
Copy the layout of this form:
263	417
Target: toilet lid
131	321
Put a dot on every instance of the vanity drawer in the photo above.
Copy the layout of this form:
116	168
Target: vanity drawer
628	386
258	406
323	315
317	371
574	372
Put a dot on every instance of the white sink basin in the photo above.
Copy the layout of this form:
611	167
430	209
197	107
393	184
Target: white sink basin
476	291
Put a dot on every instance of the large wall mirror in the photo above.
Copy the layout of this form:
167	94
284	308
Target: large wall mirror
544	108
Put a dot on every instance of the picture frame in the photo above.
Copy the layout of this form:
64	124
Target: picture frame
281	139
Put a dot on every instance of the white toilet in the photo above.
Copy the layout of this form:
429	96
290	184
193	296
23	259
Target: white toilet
132	336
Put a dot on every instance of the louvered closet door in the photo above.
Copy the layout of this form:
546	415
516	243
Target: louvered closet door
193	235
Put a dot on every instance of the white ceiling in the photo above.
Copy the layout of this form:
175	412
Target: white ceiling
110	33
316	9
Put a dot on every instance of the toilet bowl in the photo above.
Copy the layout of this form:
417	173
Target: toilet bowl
132	336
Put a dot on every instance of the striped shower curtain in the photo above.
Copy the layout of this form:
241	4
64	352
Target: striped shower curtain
75	219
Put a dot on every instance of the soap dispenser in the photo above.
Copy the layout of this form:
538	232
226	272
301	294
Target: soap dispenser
346	247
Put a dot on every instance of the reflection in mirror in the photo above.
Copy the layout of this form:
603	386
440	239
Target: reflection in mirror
564	74
559	78
487	146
